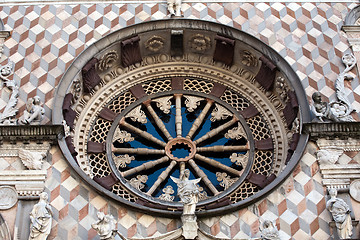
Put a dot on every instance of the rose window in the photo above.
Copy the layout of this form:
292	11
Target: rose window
143	104
160	134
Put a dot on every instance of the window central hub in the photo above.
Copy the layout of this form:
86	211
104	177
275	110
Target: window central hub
180	149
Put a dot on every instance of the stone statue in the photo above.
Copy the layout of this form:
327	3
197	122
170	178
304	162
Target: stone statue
269	231
174	3
34	112
341	214
340	110
322	109
187	191
40	218
7	117
105	226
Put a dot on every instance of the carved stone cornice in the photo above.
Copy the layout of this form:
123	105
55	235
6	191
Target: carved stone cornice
339	130
39	133
28	183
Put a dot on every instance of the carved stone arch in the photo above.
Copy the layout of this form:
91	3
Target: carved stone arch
352	17
352	29
4	229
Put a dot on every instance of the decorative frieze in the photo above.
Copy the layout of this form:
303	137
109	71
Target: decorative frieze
108	60
331	131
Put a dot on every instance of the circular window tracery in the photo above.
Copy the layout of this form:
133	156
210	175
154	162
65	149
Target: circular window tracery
154	139
138	126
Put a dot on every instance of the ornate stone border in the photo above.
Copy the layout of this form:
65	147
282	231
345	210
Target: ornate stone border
223	74
340	130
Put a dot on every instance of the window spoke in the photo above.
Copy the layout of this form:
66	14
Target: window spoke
161	178
216	131
217	164
157	120
200	173
145	166
141	133
221	148
199	120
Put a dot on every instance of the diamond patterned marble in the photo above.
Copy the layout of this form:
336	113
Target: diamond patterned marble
63	31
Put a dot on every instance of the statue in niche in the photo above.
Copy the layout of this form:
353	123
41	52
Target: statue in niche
105	226
187	191
34	112
341	214
40	219
174	4
269	231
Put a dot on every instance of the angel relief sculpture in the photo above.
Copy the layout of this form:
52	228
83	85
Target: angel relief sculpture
340	110
187	191
32	160
34	112
7	117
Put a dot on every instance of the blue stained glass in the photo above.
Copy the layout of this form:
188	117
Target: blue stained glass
181	150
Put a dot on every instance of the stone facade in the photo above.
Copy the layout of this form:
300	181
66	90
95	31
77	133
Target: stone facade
45	39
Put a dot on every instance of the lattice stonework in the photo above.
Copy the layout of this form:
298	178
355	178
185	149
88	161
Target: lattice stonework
162	85
198	85
121	102
263	162
99	165
246	190
258	127
235	100
123	193
100	130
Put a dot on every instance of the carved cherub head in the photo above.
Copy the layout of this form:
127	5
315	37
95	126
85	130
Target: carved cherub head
316	97
333	192
44	196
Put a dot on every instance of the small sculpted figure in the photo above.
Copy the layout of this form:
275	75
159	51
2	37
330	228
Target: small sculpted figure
105	226
322	109
40	219
187	191
341	214
34	112
174	4
269	231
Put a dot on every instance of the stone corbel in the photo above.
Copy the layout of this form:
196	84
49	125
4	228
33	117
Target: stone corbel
335	174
